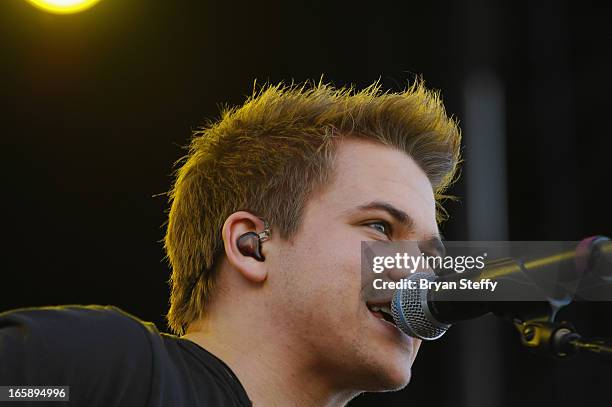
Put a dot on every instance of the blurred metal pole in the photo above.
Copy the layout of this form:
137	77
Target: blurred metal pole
486	189
485	157
485	172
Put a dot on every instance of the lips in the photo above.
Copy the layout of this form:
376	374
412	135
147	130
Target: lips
382	311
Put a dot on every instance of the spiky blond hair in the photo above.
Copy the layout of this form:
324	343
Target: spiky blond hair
269	155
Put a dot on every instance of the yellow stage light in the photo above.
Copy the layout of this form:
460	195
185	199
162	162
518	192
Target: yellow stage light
63	6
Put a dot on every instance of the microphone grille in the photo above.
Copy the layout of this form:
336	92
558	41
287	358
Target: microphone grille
411	312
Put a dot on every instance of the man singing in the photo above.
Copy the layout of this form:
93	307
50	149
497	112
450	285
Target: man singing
268	212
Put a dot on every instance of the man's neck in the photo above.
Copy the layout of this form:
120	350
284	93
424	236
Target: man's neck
272	373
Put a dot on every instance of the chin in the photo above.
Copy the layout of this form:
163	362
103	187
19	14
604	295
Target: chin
395	379
391	375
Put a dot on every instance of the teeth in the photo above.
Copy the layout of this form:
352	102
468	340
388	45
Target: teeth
376	308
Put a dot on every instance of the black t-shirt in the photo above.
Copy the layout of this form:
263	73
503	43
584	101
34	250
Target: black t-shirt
110	358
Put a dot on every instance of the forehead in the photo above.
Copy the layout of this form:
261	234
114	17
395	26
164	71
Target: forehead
366	171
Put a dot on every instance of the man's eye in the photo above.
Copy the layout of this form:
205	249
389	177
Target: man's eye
382	227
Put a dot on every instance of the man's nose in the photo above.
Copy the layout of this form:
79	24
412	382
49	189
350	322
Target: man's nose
399	272
409	263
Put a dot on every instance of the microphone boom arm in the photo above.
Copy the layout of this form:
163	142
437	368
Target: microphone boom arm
557	339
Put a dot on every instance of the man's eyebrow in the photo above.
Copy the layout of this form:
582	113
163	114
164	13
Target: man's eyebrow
408	222
396	213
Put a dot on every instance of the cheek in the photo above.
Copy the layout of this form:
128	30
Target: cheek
334	266
323	279
328	253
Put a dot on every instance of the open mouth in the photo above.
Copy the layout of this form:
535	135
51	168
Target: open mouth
382	311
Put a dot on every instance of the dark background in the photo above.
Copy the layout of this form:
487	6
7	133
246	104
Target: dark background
96	107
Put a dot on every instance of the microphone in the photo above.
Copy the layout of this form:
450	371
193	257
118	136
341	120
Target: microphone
584	273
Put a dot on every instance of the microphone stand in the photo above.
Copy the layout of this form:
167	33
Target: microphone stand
540	333
557	339
596	347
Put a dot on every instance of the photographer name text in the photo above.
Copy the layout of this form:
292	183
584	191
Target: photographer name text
484	284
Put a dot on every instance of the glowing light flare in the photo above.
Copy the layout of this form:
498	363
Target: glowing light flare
63	6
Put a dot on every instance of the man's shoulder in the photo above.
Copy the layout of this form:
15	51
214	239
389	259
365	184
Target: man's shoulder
102	352
71	312
106	354
73	336
74	324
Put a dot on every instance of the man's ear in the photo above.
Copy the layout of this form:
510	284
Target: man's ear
236	225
